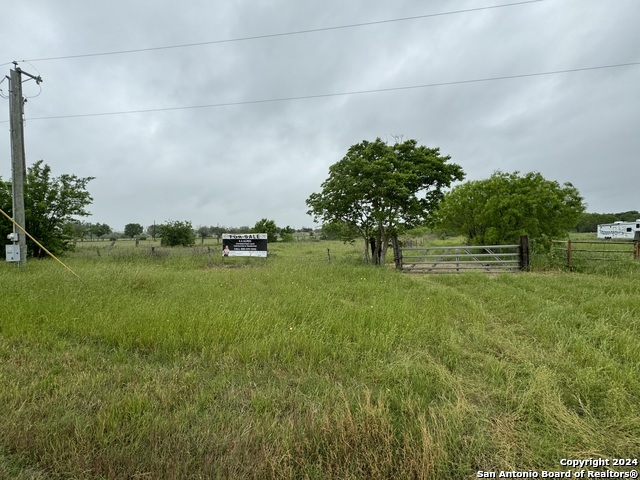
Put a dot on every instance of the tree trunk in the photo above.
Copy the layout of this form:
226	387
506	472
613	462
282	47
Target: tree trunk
384	252
372	242
366	250
378	246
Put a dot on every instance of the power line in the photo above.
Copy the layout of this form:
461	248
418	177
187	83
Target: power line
339	94
1	92
282	34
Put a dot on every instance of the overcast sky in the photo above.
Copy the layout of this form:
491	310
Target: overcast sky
224	146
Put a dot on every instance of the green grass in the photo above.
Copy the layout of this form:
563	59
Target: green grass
181	366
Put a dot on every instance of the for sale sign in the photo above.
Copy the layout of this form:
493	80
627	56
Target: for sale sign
244	244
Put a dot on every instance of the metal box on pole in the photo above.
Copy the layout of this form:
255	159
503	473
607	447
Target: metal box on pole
12	253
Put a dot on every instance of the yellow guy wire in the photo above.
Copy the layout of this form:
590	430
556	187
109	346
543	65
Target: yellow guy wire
39	244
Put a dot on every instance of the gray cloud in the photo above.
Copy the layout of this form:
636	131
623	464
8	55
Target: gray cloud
235	164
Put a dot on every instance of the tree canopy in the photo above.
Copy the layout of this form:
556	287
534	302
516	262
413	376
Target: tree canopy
99	229
133	230
51	203
381	189
203	232
267	226
589	222
628	216
177	233
500	209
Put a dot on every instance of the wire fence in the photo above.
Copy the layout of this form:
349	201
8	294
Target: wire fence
575	252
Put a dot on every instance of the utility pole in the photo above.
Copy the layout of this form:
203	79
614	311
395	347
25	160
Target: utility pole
18	163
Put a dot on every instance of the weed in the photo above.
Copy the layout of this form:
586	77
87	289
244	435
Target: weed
182	366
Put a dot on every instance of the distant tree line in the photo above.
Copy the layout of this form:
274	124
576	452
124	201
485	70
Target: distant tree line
264	225
175	233
589	221
376	192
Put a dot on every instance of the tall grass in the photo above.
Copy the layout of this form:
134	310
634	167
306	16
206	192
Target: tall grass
182	366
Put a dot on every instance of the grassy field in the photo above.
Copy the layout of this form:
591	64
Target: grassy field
179	366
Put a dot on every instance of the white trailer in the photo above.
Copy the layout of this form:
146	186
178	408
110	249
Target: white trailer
620	230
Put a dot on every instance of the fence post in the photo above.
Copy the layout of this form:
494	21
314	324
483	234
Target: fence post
397	254
329	255
569	254
524	253
636	250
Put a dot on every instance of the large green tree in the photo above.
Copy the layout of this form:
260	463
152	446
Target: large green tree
51	204
381	189
500	209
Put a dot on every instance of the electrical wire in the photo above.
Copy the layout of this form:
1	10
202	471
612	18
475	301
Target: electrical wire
282	34
1	92
37	94
338	94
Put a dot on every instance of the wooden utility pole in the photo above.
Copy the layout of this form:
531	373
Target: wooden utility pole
18	170
18	163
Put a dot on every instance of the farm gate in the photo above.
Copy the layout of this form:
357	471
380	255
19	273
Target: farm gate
458	259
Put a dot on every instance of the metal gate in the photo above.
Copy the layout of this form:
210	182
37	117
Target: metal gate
458	259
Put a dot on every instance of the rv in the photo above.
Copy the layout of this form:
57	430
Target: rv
620	230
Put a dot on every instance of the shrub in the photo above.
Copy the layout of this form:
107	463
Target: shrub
177	233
